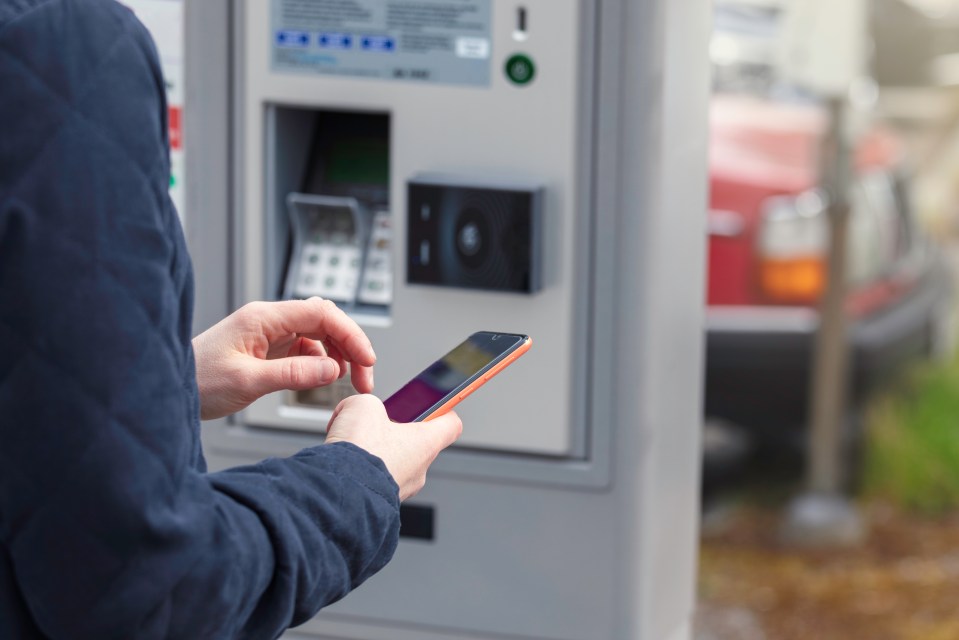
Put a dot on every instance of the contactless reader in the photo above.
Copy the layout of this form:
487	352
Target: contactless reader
473	236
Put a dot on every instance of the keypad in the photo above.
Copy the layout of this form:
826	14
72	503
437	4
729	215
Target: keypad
377	285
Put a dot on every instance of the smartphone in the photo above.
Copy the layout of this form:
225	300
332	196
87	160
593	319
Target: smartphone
442	385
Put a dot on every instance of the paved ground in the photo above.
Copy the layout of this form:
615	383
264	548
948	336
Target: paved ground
902	584
715	622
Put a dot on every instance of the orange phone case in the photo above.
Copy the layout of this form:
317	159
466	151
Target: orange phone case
483	379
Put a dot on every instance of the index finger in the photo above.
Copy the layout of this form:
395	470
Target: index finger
320	319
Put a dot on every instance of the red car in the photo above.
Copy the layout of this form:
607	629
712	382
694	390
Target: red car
768	239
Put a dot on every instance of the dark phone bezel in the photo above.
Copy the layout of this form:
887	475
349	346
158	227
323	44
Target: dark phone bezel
522	339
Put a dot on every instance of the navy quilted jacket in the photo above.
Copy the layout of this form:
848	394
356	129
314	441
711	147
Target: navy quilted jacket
109	525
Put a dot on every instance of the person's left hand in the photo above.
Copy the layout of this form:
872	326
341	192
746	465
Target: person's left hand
268	346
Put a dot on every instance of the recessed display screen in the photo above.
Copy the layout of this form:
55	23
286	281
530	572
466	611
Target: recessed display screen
358	160
449	375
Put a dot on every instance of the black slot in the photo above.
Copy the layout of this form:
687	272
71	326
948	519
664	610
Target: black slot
416	521
521	19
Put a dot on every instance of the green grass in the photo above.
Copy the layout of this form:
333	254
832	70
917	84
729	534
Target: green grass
912	441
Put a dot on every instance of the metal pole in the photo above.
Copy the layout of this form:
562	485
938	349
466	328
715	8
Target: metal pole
830	365
823	516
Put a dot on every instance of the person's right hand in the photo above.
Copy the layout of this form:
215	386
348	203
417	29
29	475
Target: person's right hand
269	346
408	450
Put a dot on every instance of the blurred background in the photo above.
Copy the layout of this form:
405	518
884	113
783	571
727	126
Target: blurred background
892	571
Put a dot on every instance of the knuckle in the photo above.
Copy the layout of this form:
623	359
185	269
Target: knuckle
251	310
324	305
296	374
366	399
359	401
370	402
252	307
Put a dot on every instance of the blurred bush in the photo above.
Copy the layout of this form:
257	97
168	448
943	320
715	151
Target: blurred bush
911	456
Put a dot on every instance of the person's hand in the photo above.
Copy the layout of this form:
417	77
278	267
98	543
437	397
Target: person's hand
268	346
408	450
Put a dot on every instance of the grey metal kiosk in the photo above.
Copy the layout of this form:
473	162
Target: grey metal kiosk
439	167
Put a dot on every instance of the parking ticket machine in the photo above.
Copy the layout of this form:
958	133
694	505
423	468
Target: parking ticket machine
440	167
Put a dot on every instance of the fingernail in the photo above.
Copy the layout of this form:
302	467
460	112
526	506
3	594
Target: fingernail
327	369
372	353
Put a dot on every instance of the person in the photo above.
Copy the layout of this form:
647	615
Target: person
110	526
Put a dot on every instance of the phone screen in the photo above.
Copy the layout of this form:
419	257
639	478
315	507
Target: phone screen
450	374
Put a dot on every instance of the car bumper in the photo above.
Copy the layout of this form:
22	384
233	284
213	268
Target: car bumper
758	360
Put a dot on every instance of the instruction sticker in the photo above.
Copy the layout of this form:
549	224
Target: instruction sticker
437	41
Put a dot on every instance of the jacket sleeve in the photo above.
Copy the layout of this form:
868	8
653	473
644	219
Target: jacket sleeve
110	528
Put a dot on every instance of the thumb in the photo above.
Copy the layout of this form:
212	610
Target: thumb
441	431
294	373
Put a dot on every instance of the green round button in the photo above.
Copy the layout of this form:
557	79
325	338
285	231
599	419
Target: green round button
520	69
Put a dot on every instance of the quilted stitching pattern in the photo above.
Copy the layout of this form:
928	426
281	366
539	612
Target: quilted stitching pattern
109	527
